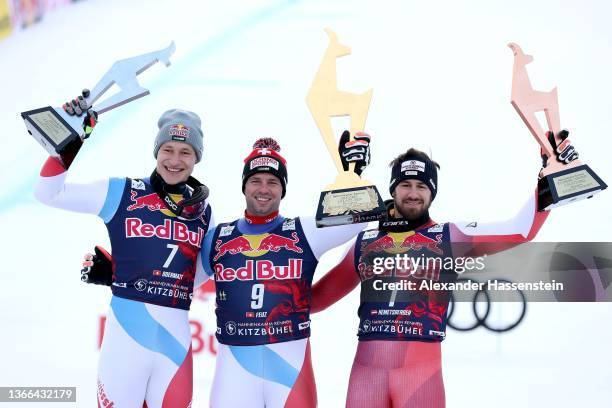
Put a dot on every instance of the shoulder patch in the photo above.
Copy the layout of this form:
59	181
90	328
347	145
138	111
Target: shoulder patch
289	225
436	228
226	231
370	234
138	184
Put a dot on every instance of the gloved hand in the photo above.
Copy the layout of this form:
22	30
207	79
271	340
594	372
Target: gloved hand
98	268
77	107
564	152
354	151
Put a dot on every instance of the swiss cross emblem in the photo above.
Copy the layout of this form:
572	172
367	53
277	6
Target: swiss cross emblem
265	151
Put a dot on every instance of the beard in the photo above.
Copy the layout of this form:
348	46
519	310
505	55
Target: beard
411	213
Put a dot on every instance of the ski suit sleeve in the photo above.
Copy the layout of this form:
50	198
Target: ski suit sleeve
100	197
322	240
336	283
203	269
499	236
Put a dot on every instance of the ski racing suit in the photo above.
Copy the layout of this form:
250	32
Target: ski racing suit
146	351
263	275
398	357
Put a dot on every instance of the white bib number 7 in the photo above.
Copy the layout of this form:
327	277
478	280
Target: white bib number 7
174	249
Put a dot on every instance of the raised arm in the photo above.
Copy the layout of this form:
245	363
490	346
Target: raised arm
336	283
498	236
494	237
322	240
99	197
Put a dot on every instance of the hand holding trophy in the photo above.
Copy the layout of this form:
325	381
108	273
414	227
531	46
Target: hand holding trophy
563	178
349	199
61	130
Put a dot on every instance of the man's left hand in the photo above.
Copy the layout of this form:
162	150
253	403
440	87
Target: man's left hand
354	151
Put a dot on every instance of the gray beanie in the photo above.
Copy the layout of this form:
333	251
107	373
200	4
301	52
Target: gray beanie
180	126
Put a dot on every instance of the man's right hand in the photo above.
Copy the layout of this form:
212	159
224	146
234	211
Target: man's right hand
564	151
78	107
98	268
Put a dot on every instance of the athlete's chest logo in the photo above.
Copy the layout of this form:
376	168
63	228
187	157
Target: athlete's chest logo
151	202
401	242
257	245
170	230
390	255
259	270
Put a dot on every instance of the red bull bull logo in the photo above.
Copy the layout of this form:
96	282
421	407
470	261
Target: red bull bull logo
418	242
404	266
151	201
233	246
259	270
400	243
380	245
257	245
275	243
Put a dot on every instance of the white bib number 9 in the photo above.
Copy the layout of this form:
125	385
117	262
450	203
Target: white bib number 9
257	294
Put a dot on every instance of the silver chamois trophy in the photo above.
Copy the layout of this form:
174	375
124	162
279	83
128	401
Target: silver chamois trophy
60	133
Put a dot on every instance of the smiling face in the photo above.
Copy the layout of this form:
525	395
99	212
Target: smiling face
412	199
262	192
175	161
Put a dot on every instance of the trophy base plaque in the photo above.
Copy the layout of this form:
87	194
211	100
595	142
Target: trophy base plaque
567	186
55	130
349	206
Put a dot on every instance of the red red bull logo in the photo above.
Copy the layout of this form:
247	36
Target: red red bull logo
418	242
151	201
170	229
233	246
179	132
380	245
259	270
399	245
257	245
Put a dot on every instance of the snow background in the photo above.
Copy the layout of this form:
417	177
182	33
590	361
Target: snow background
441	74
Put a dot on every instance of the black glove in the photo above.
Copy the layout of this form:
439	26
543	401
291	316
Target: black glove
354	151
564	152
98	268
77	107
